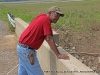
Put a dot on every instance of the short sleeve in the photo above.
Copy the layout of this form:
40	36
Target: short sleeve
47	27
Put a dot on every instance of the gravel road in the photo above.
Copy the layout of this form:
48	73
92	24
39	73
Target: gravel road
8	55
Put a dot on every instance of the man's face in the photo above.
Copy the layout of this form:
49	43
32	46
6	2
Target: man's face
54	17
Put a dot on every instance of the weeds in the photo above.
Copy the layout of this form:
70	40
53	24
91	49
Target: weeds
78	15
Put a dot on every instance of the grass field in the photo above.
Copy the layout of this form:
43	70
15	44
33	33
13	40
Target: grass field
81	15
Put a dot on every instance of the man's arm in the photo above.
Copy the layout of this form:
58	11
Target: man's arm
50	41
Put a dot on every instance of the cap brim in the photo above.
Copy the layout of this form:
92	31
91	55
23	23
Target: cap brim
62	15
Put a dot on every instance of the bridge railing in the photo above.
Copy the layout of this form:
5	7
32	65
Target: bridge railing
11	19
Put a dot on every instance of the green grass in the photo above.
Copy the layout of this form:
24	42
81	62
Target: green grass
78	15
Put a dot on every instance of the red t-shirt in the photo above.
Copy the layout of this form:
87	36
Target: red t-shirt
35	33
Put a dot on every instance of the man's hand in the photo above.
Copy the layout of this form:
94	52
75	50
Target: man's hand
63	56
50	41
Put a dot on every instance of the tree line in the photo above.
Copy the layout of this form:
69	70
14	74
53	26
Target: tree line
13	0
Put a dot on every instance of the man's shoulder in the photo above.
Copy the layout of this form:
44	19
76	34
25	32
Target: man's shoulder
42	17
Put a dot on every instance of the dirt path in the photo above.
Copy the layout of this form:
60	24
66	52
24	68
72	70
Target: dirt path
8	55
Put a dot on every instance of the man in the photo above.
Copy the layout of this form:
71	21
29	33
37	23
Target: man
32	38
